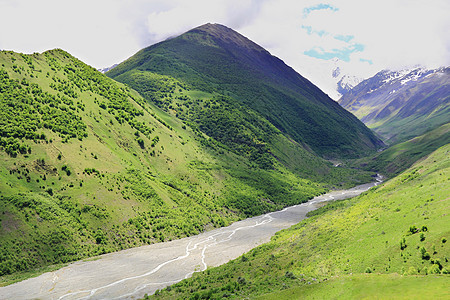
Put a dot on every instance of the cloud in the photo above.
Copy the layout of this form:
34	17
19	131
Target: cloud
306	34
90	30
155	21
369	36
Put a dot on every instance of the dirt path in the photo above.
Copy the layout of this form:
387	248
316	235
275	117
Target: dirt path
131	273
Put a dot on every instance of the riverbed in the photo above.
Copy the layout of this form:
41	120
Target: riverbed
132	273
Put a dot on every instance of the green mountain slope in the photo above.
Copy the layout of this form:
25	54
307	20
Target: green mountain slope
87	166
401	156
215	59
399	227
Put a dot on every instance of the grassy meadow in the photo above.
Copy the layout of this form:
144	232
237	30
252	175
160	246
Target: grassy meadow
394	236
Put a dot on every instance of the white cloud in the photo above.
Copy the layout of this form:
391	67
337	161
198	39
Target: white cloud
394	33
90	30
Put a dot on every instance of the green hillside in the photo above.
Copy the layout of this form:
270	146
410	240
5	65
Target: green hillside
217	60
87	166
391	241
235	127
401	156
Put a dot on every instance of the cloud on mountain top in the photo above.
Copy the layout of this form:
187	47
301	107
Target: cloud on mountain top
388	33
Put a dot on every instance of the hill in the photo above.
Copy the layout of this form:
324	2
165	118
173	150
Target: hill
87	166
400	105
401	156
391	241
215	59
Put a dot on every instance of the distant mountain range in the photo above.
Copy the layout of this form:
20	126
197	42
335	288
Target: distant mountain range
104	70
400	105
214	58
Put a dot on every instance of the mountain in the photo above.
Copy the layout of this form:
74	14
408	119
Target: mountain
88	166
104	70
215	59
344	82
401	156
390	242
400	105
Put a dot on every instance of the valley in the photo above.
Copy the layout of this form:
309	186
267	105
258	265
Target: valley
135	272
204	167
89	167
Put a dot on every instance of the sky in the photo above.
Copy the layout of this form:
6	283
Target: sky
314	37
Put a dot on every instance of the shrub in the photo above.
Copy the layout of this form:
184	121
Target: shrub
100	237
403	244
141	143
241	280
289	275
435	269
437	262
413	229
66	169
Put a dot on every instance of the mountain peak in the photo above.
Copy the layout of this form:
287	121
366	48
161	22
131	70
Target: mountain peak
215	58
222	34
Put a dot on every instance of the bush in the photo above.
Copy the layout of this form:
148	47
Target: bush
403	244
422	237
289	275
66	169
435	269
141	143
413	229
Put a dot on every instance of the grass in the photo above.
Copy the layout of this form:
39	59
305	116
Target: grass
370	286
401	156
16	277
400	227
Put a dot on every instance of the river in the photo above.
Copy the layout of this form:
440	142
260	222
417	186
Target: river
130	274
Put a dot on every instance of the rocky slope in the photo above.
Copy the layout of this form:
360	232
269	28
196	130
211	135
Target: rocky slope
400	105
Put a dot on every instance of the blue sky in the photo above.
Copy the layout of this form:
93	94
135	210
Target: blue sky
320	6
312	36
